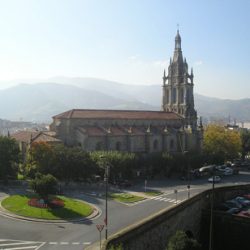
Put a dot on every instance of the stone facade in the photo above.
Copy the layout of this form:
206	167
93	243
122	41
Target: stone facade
174	129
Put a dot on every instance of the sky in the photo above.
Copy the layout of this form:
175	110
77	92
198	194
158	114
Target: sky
128	41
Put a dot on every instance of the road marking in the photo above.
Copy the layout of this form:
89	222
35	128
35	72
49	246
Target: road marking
75	243
64	243
7	244
14	244
19	248
53	243
86	243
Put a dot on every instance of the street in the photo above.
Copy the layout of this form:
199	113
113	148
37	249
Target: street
19	234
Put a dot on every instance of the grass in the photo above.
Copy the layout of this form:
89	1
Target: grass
153	193
126	197
18	204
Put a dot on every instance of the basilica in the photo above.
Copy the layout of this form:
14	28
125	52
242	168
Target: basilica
173	129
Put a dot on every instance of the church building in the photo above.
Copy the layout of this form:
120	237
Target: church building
174	129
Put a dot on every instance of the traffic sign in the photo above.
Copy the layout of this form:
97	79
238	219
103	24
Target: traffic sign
99	227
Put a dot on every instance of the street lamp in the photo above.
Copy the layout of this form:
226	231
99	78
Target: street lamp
210	169
185	153
106	200
106	175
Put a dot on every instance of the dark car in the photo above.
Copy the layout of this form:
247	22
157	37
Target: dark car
233	203
243	201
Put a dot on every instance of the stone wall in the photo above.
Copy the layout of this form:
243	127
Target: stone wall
153	232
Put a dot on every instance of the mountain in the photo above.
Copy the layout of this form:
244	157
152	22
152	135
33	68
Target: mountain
40	101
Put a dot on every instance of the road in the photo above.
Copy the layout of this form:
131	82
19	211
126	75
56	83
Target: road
16	234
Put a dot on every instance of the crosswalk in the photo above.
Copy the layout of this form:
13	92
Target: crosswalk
161	198
6	244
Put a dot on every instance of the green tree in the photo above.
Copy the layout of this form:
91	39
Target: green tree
9	157
39	159
180	241
245	140
44	185
72	163
121	164
221	144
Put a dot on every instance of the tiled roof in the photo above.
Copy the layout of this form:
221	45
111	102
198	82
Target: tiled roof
35	136
117	114
24	136
92	131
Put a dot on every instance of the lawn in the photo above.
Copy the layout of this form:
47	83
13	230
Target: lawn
153	193
126	197
18	204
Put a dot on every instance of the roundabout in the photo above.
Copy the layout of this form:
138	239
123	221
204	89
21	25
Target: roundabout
55	209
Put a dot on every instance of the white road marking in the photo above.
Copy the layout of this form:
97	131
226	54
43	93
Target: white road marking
7	244
53	243
14	244
75	243
19	248
86	243
64	243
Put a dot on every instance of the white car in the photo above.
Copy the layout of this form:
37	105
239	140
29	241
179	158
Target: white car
216	179
228	171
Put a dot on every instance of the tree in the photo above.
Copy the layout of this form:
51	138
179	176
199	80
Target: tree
245	140
180	241
221	144
9	157
39	159
44	185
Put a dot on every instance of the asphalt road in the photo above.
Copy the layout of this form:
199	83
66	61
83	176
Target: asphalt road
16	234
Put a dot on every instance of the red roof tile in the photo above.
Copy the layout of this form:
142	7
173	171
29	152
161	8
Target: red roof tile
117	114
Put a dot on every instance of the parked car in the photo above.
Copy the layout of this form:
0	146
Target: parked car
244	214
228	171
233	210
233	203
246	196
244	202
215	178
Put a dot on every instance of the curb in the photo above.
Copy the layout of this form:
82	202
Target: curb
3	212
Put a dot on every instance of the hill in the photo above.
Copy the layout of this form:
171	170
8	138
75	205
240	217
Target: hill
40	101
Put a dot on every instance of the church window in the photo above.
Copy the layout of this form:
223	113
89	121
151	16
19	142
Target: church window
171	144
174	95
167	96
118	146
155	145
181	95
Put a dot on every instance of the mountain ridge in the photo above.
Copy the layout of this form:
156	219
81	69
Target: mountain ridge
40	101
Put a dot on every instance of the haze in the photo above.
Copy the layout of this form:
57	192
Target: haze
126	41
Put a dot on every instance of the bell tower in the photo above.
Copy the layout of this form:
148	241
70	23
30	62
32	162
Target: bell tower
178	86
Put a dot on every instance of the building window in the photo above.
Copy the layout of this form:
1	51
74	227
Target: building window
174	95
155	145
118	146
181	95
172	144
99	146
167	95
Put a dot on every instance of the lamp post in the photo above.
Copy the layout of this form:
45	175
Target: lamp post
106	200
185	153
211	170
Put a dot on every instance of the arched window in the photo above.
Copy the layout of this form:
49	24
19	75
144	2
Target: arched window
167	95
174	95
118	146
171	144
181	95
155	145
